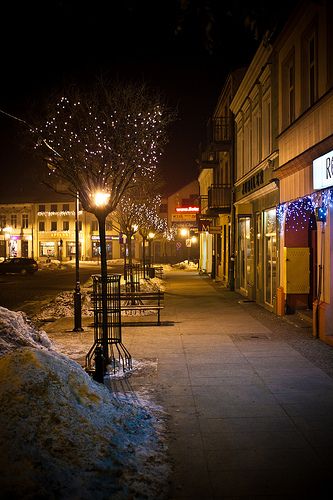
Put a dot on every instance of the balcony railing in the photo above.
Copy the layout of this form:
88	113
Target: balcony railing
219	198
219	130
208	159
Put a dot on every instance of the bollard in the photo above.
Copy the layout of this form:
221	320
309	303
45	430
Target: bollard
99	365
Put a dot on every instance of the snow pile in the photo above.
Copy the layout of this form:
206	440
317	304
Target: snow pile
187	265
17	331
62	435
62	306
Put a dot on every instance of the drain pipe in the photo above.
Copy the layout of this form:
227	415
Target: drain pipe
320	280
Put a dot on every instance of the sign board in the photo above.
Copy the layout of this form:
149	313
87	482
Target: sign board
188	242
322	171
183	217
215	229
187	209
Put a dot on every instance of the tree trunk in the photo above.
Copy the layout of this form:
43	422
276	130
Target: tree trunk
144	255
130	257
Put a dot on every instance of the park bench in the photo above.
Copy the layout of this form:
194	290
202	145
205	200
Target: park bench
143	301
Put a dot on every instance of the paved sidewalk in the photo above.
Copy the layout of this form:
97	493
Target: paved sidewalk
250	395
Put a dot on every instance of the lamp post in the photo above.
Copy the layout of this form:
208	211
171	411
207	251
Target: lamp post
151	236
185	232
77	292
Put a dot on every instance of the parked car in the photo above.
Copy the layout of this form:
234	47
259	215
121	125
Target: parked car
18	265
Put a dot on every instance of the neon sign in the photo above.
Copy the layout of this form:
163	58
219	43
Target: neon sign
187	209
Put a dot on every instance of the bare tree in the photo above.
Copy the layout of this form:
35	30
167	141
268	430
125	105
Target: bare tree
96	142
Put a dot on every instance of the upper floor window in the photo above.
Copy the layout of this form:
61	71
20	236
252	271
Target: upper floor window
13	220
288	91
65	225
80	225
94	225
54	207
2	221
53	225
108	225
65	207
309	67
240	150
25	221
41	208
266	126
41	225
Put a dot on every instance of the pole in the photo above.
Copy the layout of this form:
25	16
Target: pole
77	292
144	255
104	276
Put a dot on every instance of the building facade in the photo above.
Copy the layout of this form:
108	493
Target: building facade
48	231
304	60
256	192
183	208
216	181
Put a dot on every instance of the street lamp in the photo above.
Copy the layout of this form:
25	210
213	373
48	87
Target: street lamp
101	199
151	236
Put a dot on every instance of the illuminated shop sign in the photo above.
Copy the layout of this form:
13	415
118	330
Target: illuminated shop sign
187	209
253	182
183	217
322	169
107	237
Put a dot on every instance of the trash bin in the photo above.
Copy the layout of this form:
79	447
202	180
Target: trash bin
151	272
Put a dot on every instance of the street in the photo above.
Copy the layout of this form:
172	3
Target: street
28	293
248	394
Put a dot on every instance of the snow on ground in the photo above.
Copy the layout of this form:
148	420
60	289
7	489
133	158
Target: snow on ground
63	304
63	435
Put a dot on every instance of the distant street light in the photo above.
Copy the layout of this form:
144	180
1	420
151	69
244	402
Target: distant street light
151	236
77	292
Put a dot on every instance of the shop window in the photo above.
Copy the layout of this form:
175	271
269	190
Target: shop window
41	226
270	255
245	254
65	225
53	225
47	249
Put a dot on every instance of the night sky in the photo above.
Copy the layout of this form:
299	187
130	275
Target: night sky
183	48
